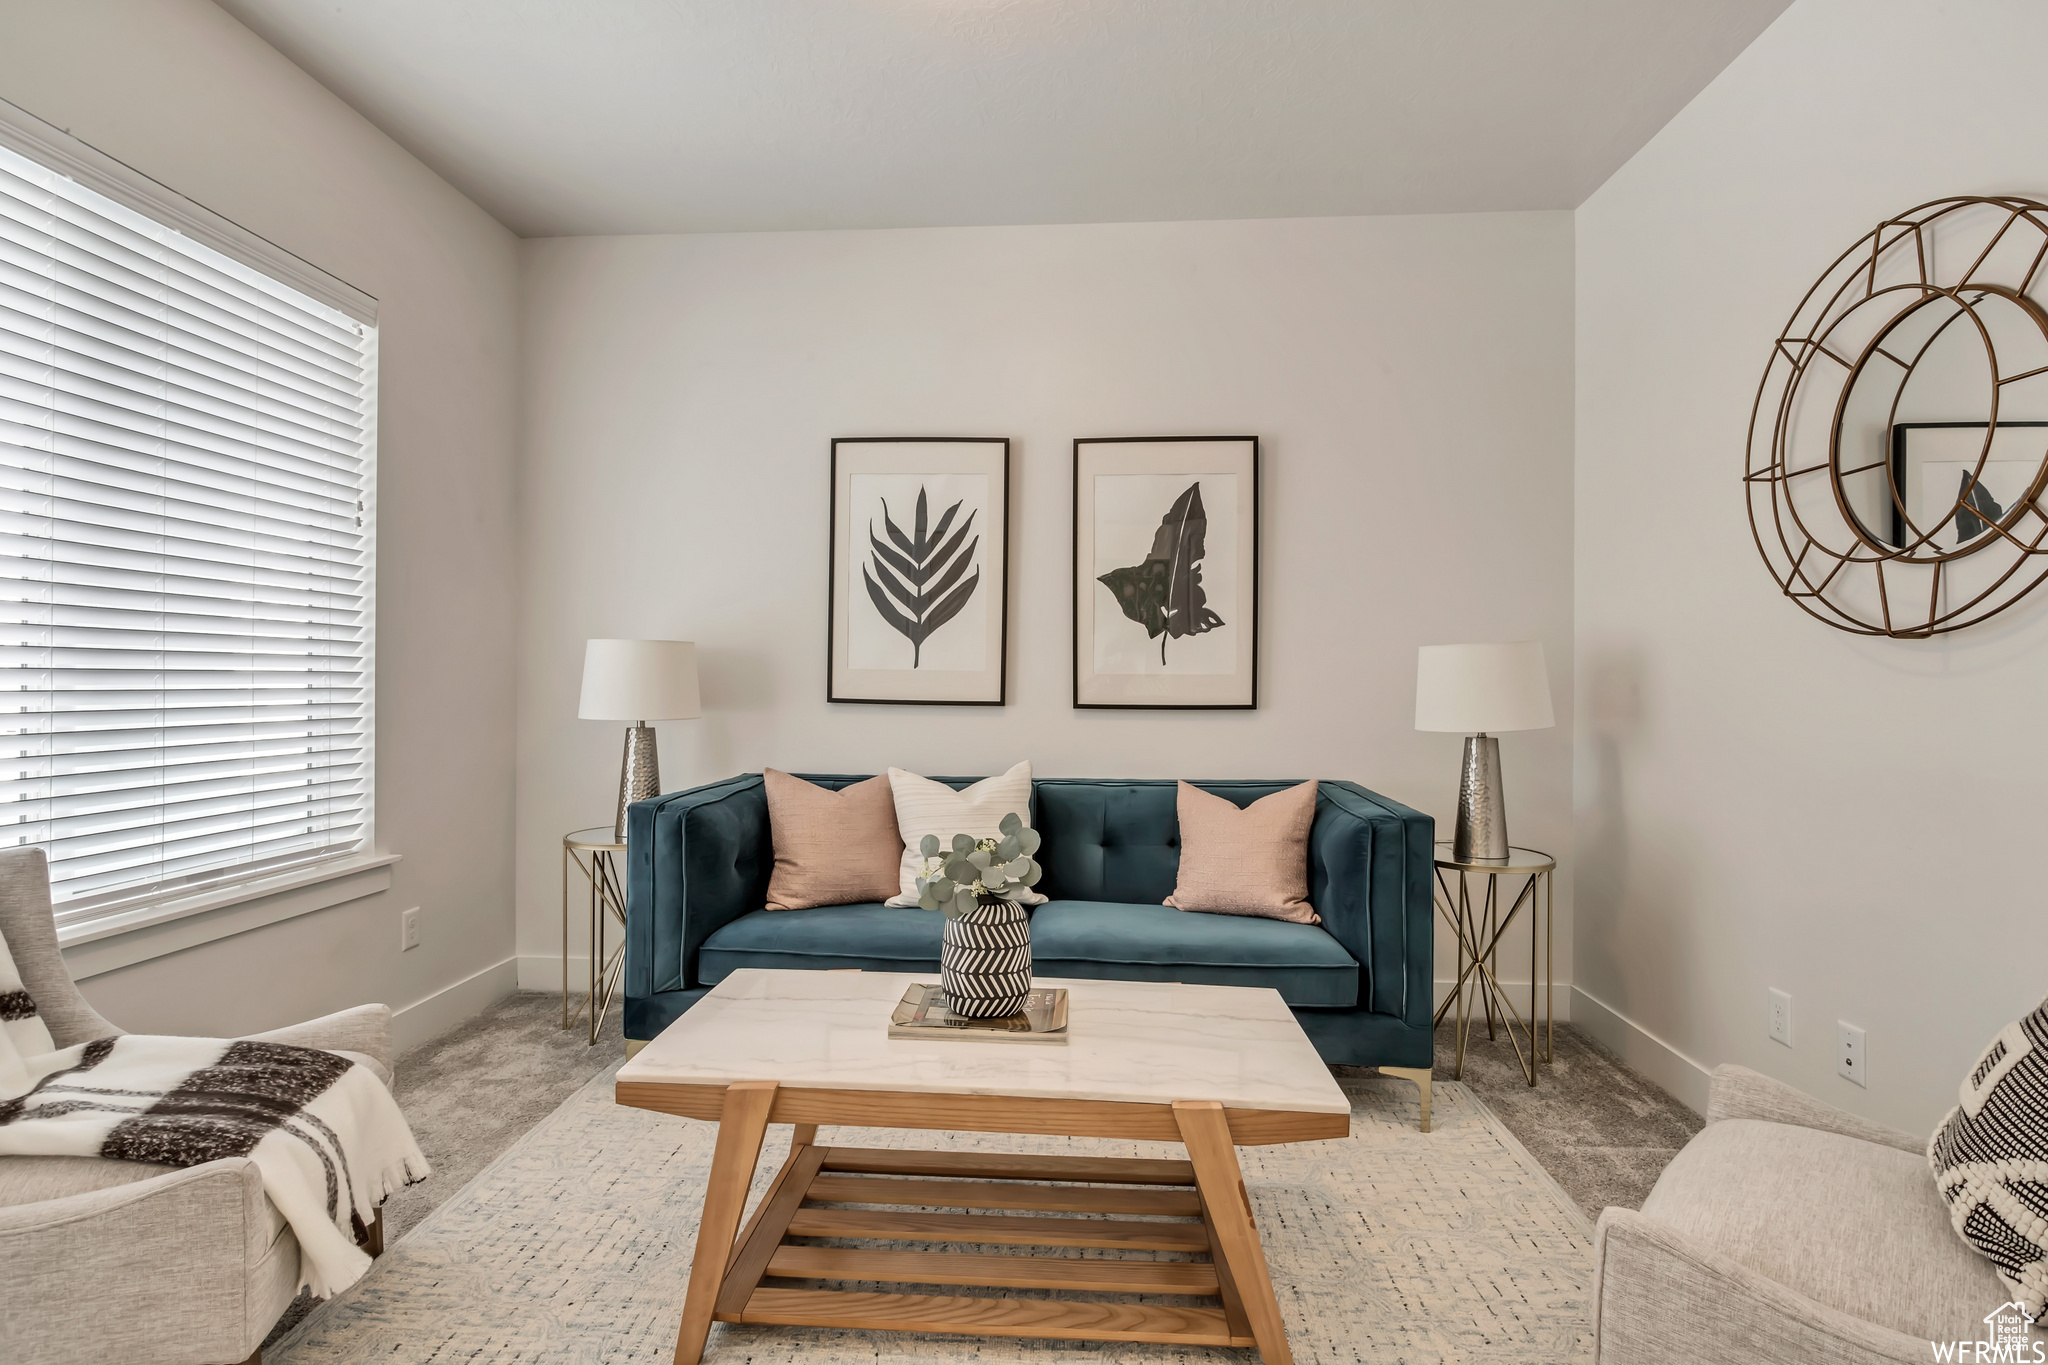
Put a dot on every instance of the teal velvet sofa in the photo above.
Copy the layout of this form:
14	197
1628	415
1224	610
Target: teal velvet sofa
1359	983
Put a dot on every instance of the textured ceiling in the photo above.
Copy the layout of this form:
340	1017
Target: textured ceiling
623	116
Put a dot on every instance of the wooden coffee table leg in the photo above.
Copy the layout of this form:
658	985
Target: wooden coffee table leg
742	1123
1206	1134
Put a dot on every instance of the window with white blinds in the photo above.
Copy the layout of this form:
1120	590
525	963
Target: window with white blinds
185	556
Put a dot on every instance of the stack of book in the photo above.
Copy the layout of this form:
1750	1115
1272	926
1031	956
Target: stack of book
923	1014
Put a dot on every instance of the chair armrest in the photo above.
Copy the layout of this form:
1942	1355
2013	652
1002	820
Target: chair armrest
1371	861
695	861
156	1270
1739	1093
365	1029
1658	1296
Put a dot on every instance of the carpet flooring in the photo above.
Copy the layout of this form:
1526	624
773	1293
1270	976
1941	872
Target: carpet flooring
473	1091
572	1248
1601	1130
1604	1131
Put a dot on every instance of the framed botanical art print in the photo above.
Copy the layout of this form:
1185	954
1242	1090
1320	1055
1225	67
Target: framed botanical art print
920	553
1166	572
1948	500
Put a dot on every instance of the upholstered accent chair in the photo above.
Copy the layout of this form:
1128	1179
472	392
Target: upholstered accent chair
122	1260
1787	1231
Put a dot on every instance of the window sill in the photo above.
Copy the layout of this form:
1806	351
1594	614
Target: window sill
170	926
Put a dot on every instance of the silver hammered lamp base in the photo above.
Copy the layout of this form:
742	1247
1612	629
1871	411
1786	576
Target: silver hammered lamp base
1482	831
639	773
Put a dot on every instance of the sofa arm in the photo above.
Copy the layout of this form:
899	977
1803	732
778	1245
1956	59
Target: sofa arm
1658	1296
1371	864
157	1270
695	861
365	1029
1739	1093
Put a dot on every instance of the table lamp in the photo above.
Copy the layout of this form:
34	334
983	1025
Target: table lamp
1473	690
638	681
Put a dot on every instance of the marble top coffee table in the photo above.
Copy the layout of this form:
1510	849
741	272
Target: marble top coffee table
1210	1067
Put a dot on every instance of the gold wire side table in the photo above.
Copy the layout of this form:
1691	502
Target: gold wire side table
601	858
1479	926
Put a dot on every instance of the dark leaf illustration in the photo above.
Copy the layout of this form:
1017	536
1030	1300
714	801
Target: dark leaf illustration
1164	594
916	581
1976	510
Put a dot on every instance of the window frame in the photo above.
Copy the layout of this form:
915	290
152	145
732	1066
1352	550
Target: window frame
121	930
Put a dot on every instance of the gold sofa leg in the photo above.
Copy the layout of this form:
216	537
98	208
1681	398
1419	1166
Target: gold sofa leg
1418	1074
633	1045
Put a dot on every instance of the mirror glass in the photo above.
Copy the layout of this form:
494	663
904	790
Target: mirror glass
1921	468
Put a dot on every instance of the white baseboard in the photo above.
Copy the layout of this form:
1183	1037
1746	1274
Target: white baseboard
449	1006
1643	1050
543	972
1518	992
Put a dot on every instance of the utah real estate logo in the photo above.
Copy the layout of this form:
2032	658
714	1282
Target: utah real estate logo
2010	1337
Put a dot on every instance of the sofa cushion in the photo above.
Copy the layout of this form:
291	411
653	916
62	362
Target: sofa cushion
832	847
872	937
1856	1226
1103	939
1246	860
936	807
1092	940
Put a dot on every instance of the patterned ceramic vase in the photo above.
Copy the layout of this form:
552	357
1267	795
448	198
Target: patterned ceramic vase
985	959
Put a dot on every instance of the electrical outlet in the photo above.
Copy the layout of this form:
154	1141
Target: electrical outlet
409	929
1781	1017
1849	1061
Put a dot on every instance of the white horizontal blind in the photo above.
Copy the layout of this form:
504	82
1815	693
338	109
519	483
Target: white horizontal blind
185	553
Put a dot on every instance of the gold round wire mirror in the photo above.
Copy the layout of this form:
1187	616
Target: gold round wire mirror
1898	448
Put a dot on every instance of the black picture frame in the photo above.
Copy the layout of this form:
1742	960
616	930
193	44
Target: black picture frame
1900	479
839	688
1076	560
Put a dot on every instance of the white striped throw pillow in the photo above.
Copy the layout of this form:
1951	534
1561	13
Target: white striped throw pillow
927	807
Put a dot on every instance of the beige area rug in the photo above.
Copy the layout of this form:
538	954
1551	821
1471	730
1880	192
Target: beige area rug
573	1247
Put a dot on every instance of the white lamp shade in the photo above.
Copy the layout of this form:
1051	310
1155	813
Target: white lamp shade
1475	689
639	680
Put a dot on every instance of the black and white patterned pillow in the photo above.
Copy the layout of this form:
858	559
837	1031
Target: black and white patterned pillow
1990	1158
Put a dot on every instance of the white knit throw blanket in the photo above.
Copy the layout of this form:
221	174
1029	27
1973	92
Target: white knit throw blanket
326	1136
22	1033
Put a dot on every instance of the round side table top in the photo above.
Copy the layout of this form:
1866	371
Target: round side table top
1525	860
598	837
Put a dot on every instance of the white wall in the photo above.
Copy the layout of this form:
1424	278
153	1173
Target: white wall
182	92
1409	379
1764	801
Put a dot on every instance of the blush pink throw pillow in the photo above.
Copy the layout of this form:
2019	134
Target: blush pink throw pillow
1252	861
831	847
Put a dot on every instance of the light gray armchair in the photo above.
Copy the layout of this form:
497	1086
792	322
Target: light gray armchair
120	1260
1787	1231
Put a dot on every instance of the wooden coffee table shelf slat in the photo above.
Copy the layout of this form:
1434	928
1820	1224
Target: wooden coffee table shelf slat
1099	1274
1012	1166
999	1229
1081	1321
967	1194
